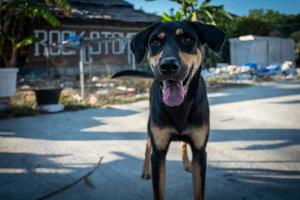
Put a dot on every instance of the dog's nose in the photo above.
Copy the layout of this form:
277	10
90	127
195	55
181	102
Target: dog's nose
169	66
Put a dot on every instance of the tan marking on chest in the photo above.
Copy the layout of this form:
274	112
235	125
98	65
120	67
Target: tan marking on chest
198	135
162	136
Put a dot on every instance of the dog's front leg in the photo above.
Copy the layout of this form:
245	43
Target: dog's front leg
199	171
158	160
160	143
199	136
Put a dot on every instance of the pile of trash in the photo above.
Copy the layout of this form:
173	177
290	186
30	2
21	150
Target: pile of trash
251	71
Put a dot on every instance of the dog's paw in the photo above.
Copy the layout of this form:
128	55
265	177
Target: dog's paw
146	176
188	169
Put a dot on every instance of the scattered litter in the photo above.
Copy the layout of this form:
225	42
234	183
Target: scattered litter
249	71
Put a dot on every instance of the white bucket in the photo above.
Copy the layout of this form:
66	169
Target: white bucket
8	81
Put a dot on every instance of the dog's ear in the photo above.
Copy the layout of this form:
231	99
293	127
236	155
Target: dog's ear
211	35
139	43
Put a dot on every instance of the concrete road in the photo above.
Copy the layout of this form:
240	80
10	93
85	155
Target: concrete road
253	151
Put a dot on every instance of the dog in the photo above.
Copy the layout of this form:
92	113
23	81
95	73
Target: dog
179	109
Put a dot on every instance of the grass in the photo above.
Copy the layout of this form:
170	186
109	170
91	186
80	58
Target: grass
22	108
24	102
17	111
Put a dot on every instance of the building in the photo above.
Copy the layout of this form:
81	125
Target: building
96	19
261	50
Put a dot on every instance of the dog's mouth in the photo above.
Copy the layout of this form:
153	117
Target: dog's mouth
174	91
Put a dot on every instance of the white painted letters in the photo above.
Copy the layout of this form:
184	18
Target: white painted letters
117	46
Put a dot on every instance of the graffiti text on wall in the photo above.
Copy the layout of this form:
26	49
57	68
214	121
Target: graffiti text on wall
111	47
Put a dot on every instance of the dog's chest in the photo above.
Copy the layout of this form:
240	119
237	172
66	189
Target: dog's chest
189	125
198	134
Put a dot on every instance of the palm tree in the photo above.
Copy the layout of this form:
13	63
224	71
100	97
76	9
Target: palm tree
15	15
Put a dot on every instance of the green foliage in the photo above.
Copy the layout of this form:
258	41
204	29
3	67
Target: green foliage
27	41
204	12
270	16
296	36
267	23
270	23
257	22
15	15
17	111
251	25
207	13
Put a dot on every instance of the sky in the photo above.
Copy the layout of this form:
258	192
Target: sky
239	7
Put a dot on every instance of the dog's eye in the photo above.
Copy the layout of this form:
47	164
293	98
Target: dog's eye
156	41
185	39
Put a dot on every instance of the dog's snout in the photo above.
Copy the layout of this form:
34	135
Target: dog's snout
169	66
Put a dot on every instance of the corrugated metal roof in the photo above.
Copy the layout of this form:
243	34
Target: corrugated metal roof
117	10
103	2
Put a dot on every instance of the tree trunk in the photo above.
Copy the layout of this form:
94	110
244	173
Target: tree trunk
13	58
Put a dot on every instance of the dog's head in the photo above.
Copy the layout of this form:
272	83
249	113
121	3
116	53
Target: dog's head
174	53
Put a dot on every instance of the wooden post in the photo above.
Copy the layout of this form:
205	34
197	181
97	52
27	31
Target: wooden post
81	72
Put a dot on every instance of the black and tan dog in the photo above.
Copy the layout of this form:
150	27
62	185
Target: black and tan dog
179	107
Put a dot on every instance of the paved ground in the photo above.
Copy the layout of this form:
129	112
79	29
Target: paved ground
253	151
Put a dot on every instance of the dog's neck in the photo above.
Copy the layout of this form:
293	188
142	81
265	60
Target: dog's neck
181	114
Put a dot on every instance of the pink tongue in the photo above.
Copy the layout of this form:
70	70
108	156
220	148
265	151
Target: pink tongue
173	93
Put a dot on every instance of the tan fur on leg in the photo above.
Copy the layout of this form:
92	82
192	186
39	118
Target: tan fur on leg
161	141
185	159
197	182
146	172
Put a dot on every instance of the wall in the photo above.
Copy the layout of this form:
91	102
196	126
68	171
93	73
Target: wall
104	54
261	50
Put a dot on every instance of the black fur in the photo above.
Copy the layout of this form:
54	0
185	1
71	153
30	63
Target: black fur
194	110
211	35
133	73
138	44
208	34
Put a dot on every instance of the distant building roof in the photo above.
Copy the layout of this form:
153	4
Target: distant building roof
103	2
116	10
